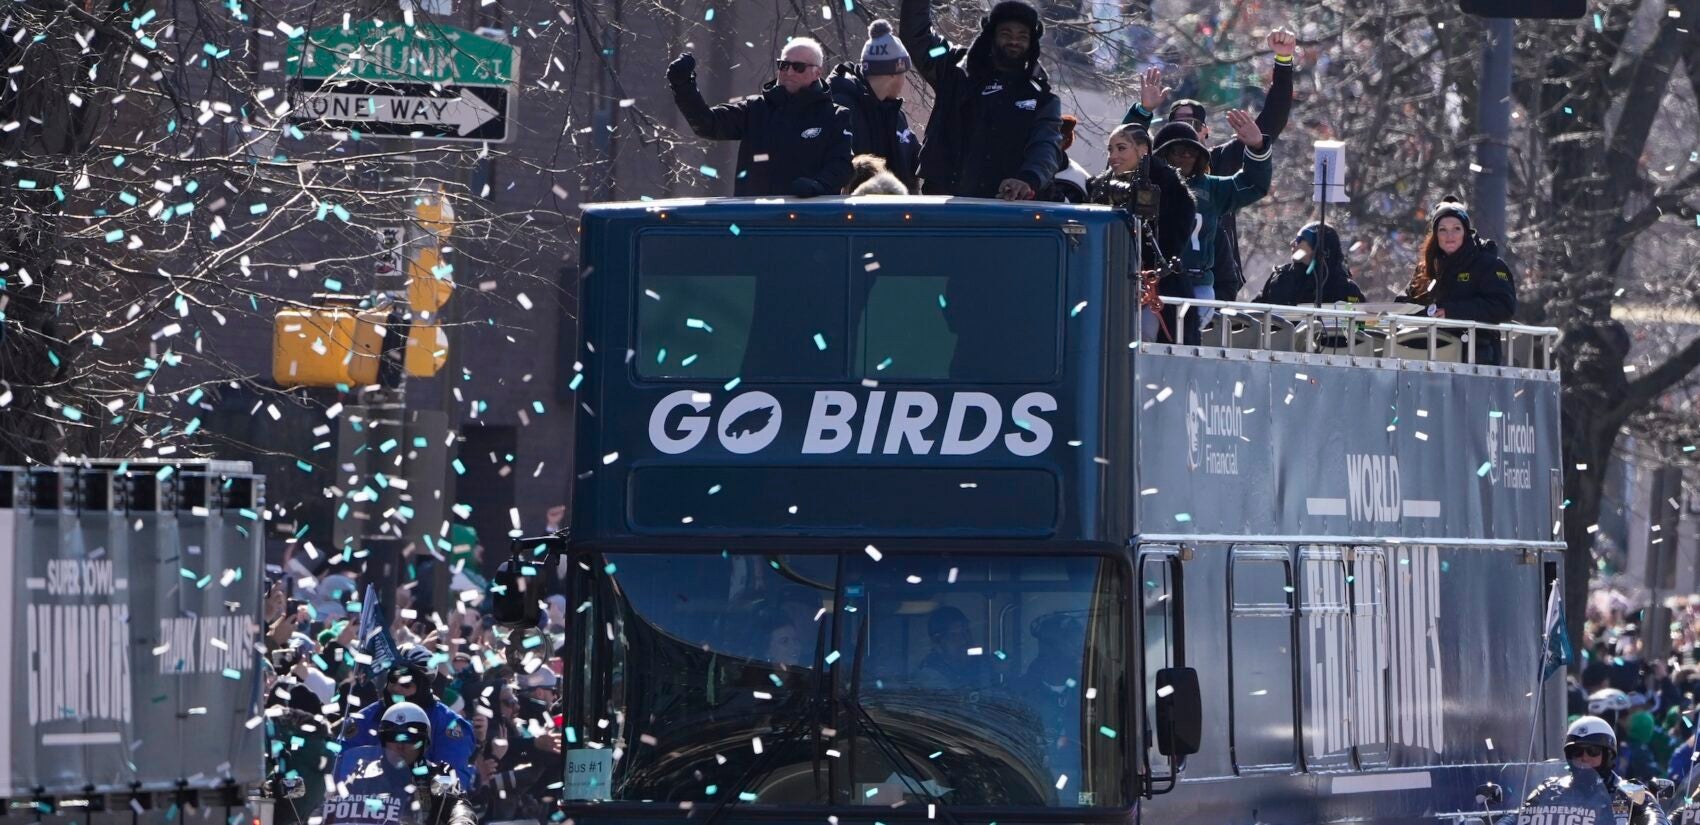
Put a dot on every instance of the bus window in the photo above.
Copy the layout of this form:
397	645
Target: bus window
753	306
958	307
1157	596
1325	610
1261	633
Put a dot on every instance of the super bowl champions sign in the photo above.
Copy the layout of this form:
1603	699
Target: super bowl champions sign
130	635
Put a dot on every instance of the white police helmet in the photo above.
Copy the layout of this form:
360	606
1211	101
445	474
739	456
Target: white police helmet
1592	730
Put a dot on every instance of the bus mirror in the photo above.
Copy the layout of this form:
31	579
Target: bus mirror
514	605
1664	789
1180	711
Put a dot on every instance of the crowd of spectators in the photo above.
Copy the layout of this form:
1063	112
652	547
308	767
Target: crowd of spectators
1651	700
492	697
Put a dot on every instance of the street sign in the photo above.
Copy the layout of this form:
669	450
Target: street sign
392	250
426	82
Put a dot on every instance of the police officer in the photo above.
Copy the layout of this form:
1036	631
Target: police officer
409	682
1589	748
394	781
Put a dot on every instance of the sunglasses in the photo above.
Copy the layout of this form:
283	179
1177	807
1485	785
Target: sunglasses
1584	750
797	66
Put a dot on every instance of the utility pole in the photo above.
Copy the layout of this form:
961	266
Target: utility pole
1493	118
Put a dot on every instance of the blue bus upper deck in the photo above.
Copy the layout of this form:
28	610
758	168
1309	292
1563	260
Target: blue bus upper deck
885	508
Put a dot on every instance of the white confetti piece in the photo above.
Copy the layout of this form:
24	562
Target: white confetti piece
873	552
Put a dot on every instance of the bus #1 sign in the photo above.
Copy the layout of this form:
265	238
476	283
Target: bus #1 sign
887	423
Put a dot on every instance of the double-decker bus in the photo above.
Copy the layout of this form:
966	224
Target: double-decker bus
884	512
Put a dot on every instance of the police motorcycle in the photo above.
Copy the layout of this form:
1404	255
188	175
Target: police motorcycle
1589	793
392	783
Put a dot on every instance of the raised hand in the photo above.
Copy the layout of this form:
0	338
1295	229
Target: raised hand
1283	43
1152	92
1245	128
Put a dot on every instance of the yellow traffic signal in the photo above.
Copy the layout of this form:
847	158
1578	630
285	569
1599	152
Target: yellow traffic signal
327	346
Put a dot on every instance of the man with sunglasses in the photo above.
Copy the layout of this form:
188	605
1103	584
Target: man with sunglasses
409	681
1590	790
792	139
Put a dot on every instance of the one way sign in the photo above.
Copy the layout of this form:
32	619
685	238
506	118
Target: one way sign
404	110
463	113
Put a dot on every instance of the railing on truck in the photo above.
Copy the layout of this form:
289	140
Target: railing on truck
1375	331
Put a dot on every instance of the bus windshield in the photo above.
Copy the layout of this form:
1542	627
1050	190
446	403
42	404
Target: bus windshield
789	680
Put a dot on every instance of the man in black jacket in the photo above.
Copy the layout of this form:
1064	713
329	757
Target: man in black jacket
1227	158
793	140
872	92
995	127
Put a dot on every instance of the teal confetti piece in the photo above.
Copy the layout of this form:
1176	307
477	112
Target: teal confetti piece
233	673
661	356
1107	731
689	360
711	790
746	796
537	407
714	489
115	236
1183	517
118	160
698	323
820	342
941	300
935	754
26	184
128	199
340	212
610	568
883	364
258	209
709	171
1077	308
708	17
1483	470
733	383
736	230
71	412
579	378
831	657
937	51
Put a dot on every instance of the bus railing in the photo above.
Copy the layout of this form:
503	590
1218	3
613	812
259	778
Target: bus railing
1362	330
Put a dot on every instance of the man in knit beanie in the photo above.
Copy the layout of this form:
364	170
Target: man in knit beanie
872	92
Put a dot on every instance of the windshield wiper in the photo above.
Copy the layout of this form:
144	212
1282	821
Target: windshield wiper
906	771
761	767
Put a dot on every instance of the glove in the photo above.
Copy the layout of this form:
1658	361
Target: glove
445	785
807	188
682	72
294	787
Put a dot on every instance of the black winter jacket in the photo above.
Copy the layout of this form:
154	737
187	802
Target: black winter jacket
1291	284
1176	207
878	127
986	125
1226	159
789	144
1473	285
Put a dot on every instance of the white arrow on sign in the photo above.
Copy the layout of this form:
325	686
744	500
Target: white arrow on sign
465	113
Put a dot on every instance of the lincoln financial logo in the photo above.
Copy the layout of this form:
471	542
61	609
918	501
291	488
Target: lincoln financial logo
1214	432
1511	451
889	423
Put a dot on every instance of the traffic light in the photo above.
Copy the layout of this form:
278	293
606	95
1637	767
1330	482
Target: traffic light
429	283
327	346
1526	9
